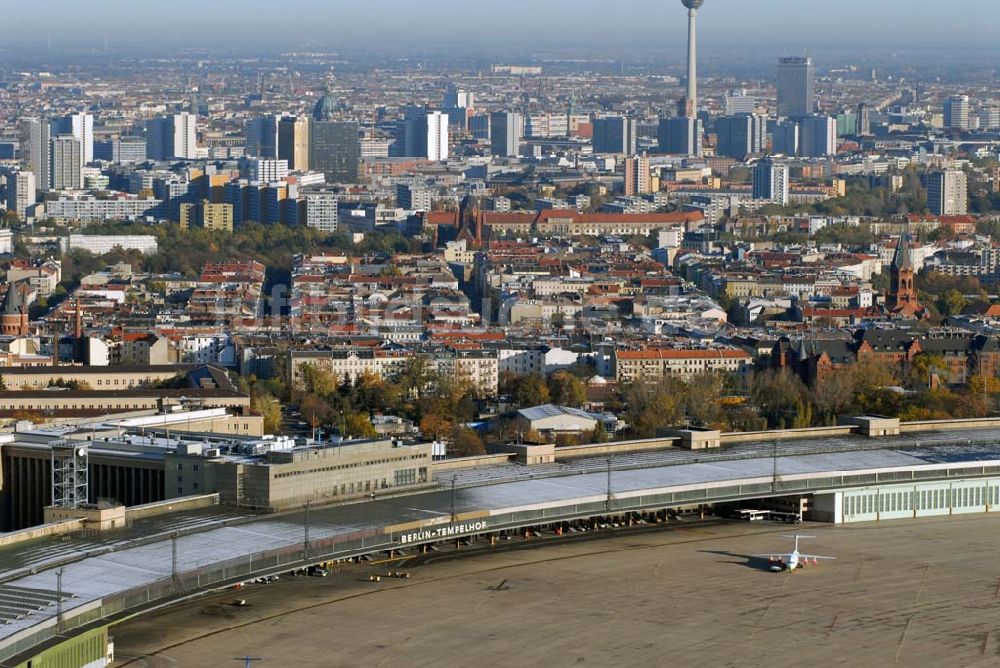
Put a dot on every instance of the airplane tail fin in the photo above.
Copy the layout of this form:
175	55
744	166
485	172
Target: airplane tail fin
796	537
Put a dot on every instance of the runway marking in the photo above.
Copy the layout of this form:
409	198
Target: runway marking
833	624
986	643
391	560
429	512
760	622
923	581
902	638
857	575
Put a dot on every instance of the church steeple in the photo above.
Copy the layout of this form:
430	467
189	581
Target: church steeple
902	298
903	259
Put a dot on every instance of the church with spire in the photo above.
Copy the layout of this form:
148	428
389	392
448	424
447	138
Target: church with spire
901	302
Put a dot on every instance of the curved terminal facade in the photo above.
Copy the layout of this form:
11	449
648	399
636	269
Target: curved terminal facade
69	585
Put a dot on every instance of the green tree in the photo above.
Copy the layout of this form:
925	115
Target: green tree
565	389
951	303
525	391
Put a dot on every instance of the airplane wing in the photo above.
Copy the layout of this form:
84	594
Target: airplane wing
780	555
814	556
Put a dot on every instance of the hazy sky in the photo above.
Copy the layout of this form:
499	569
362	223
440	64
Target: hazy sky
774	23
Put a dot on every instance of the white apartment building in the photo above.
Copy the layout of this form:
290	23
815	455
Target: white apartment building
948	193
321	210
87	207
99	244
21	189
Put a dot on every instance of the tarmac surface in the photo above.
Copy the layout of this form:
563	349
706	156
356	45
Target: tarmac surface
907	592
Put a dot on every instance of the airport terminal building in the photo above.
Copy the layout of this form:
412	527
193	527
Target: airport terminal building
154	464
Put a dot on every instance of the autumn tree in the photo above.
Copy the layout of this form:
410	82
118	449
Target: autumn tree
701	400
834	394
315	410
435	427
654	406
783	399
465	442
317	381
358	425
269	408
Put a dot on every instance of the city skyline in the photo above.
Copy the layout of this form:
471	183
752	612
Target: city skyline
782	24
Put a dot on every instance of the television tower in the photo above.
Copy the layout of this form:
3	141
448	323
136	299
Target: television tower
688	106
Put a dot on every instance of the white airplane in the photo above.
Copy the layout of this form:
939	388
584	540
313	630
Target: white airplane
792	561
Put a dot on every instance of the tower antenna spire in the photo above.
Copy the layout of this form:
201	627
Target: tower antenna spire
689	104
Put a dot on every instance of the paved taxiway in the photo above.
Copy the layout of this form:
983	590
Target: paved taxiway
911	593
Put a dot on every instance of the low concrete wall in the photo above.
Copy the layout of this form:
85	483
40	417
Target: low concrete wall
171	506
949	425
614	447
40	531
787	434
472	462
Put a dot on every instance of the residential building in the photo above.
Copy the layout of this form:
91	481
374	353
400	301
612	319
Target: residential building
948	193
817	136
785	138
80	126
956	112
35	144
99	244
121	151
21	191
44	276
414	198
66	166
426	135
262	137
173	136
680	135
652	364
506	133
615	135
88	207
864	120
209	215
264	170
321	209
638	179
740	136
770	181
